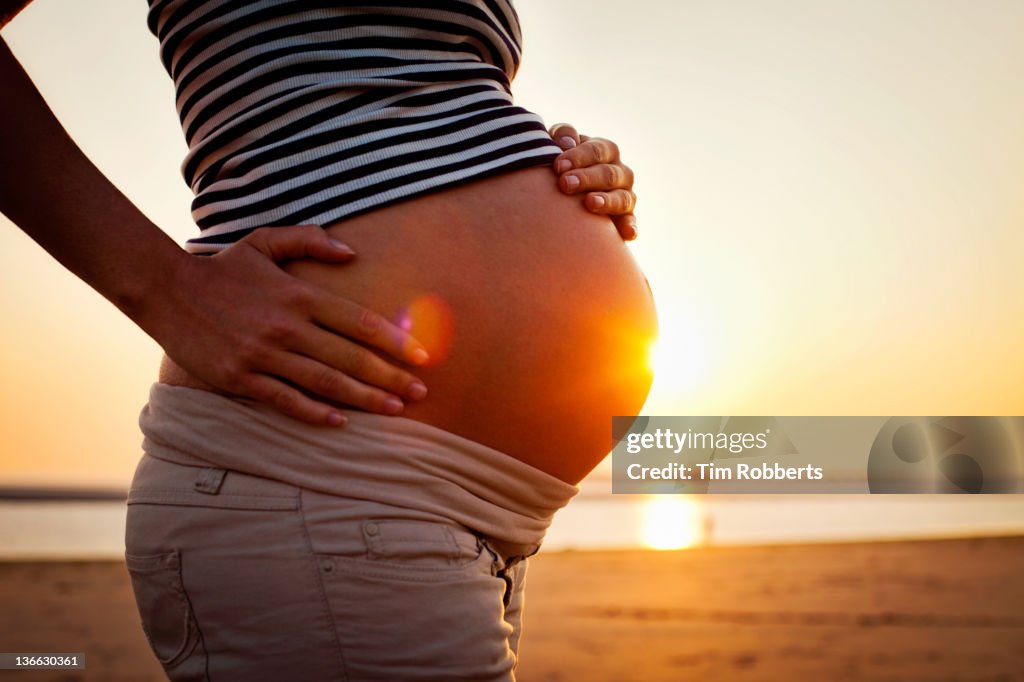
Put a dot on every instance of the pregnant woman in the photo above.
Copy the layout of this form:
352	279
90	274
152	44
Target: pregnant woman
266	547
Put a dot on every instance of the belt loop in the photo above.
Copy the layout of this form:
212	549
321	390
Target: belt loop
209	480
374	543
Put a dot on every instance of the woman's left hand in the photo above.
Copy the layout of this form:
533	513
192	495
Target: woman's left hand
591	166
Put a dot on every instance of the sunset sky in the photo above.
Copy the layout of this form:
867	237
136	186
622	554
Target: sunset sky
831	206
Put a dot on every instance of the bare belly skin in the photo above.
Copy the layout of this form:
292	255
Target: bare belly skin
536	315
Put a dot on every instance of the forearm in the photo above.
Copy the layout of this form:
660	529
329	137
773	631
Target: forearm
53	192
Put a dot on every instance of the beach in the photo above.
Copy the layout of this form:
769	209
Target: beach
913	611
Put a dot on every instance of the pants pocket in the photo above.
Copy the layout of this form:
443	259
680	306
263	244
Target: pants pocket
420	547
421	603
167	617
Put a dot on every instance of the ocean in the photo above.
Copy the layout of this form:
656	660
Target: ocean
94	529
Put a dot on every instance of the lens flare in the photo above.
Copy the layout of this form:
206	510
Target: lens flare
429	318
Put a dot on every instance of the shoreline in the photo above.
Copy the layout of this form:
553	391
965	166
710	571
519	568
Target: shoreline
911	611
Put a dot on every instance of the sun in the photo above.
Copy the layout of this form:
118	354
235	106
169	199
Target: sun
673	522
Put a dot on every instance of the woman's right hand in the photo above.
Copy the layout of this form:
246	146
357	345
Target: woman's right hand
239	322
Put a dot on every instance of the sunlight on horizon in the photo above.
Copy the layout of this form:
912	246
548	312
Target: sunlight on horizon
673	522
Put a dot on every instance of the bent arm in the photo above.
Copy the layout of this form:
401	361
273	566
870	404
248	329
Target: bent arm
56	195
235	321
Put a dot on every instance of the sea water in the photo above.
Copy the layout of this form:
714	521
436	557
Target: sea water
597	519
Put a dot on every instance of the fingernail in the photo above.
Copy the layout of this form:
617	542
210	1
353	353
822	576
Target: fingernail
572	182
419	356
566	142
598	201
393	406
336	419
417	391
345	248
563	165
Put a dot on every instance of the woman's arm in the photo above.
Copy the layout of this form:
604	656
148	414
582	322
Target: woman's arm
235	320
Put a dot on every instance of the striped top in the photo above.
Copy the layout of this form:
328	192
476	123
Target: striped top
308	112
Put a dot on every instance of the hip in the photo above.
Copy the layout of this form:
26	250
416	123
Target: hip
242	577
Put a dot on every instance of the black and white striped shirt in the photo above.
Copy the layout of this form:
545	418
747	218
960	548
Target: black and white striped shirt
307	111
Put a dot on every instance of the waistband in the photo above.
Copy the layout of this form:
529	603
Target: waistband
391	460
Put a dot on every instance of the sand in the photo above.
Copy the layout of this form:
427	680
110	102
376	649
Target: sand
926	611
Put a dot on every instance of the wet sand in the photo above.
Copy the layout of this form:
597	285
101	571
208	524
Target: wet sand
925	611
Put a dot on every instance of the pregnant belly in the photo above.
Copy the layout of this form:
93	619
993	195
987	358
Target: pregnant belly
536	315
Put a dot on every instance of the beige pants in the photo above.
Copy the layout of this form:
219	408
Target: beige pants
261	548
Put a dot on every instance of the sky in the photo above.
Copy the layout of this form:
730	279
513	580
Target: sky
830	206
